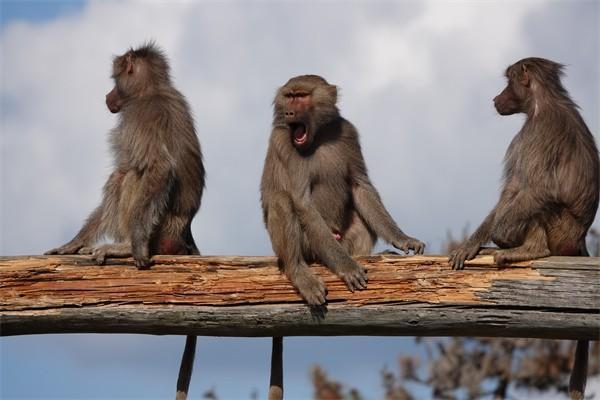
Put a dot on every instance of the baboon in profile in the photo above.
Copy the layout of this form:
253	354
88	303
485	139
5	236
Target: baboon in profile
551	180
317	199
155	189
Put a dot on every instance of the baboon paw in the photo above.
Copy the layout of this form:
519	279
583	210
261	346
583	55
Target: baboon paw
409	244
142	262
69	248
141	256
458	257
86	250
457	260
315	296
488	251
355	277
311	288
99	255
418	247
501	258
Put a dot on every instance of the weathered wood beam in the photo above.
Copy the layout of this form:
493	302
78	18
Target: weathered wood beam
556	297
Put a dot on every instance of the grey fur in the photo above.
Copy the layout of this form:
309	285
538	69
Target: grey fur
156	187
551	182
312	191
551	173
318	202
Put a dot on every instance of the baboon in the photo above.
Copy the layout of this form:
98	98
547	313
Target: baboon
551	180
318	202
156	187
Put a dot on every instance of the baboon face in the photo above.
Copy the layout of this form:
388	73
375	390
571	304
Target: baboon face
305	104
137	73
513	98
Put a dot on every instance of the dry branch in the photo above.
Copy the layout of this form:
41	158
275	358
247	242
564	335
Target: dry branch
558	297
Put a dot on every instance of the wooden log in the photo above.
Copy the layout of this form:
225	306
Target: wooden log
557	297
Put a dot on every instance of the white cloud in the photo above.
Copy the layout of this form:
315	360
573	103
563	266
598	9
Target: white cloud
416	78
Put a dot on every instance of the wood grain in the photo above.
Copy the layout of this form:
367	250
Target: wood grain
557	297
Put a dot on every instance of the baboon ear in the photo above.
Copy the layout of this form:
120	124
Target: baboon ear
129	59
524	79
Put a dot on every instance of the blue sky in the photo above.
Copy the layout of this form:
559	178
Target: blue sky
416	78
37	11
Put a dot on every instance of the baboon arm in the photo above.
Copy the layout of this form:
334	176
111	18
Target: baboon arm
155	188
369	205
483	233
515	208
92	229
516	211
273	176
276	180
320	237
371	209
85	237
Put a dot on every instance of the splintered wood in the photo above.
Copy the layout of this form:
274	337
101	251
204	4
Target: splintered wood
67	281
180	288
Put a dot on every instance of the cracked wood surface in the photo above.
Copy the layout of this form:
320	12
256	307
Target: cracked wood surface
557	297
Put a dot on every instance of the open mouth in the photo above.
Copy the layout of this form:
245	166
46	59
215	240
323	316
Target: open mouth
299	132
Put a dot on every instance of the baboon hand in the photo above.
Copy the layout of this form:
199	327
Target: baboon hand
311	287
354	275
408	244
467	251
141	256
70	248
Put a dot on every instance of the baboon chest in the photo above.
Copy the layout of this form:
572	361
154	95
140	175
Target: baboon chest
330	193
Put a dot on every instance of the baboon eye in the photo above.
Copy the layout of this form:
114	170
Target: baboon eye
296	95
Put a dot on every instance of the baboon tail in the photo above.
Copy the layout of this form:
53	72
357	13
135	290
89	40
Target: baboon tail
276	383
580	370
185	370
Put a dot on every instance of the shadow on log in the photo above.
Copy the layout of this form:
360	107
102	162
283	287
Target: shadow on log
557	297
